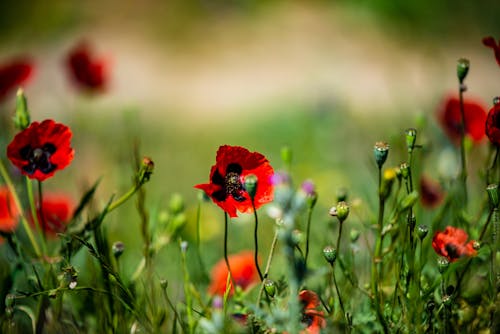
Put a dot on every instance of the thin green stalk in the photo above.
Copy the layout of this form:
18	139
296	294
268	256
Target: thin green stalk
309	217
187	293
226	259
377	258
24	221
338	294
268	264
463	173
256	241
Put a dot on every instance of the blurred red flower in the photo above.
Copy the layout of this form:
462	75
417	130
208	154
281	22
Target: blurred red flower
313	319
86	71
41	149
450	118
8	211
491	43
242	268
431	192
56	212
14	74
452	244
493	124
227	179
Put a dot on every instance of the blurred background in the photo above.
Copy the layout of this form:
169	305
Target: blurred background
326	78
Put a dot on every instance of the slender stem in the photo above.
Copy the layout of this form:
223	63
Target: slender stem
463	174
338	294
256	241
268	264
198	241
187	293
226	259
308	233
24	221
42	222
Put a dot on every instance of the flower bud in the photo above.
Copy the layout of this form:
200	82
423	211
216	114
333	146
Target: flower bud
381	151
330	254
443	264
297	237
462	69
409	200
176	204
342	211
354	235
405	170
147	167
311	196
270	287
163	283
251	185
22	116
411	137
118	248
422	231
341	194
184	246
492	190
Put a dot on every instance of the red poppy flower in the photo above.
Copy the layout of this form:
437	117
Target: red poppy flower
431	192
450	118
491	43
312	318
227	179
56	212
452	244
493	124
41	149
13	74
8	211
87	71
242	268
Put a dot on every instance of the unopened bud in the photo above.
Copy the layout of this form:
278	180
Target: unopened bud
492	190
354	235
443	264
251	185
462	69
147	167
405	170
286	155
381	151
330	254
163	283
118	248
270	287
341	194
176	204
411	137
22	116
342	211
422	231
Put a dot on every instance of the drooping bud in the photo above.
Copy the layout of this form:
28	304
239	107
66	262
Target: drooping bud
492	190
270	287
381	151
147	167
462	69
251	185
422	231
118	248
330	254
411	138
22	117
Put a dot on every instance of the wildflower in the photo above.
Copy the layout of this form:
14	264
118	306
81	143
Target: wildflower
244	273
431	192
491	43
55	213
8	211
311	318
41	149
493	124
451	243
227	180
14	74
87	72
450	117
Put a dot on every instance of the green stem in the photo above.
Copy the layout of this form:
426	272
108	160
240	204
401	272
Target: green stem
226	259
256	241
187	293
309	216
24	221
268	264
463	174
338	294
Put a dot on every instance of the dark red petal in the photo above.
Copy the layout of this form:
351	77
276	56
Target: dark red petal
13	75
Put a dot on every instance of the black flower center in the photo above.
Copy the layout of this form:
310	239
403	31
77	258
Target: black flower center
307	319
496	120
38	158
452	251
230	183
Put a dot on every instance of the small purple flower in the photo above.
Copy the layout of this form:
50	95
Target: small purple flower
308	187
280	178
